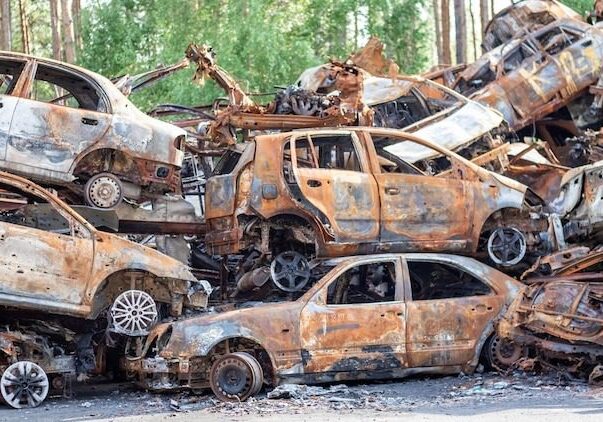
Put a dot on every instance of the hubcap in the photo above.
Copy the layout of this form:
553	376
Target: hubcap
290	271
133	313
24	384
506	246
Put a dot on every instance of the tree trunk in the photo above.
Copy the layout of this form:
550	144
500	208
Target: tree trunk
5	26
76	10
460	23
24	27
56	30
473	33
484	14
445	16
67	29
438	31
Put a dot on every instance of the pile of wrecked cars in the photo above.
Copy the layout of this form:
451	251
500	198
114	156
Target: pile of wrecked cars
362	225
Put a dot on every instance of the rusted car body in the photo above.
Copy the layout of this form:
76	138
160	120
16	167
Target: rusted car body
61	124
560	317
543	82
523	17
336	192
369	317
62	265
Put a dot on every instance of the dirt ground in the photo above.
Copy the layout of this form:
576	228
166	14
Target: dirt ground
516	397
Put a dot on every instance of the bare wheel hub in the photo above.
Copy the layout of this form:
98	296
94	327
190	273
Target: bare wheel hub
24	384
133	313
506	246
236	377
104	191
504	353
290	271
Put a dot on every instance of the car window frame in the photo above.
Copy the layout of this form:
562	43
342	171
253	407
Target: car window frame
356	143
17	87
28	90
440	260
88	232
318	294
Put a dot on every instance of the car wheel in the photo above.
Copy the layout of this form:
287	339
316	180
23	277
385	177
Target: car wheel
24	384
501	354
290	271
506	246
133	313
104	191
236	377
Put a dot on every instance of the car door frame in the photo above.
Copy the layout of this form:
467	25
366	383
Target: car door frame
323	327
439	346
337	205
95	121
461	241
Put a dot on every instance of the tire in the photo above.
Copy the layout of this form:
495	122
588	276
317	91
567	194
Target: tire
104	191
235	377
501	354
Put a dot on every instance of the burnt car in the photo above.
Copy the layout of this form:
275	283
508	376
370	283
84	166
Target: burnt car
522	17
545	83
369	317
345	191
53	261
561	319
68	127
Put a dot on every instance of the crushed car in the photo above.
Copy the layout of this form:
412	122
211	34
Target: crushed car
546	84
523	17
561	319
68	279
72	129
369	317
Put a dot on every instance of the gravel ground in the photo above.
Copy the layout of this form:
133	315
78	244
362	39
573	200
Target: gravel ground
517	397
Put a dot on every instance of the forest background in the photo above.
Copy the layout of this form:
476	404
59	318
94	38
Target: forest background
262	43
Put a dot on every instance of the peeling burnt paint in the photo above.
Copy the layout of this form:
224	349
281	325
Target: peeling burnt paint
310	340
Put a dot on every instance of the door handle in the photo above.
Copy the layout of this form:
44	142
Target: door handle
91	122
392	191
313	183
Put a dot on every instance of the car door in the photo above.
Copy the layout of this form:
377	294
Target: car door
45	256
448	310
419	211
63	114
10	71
356	322
333	176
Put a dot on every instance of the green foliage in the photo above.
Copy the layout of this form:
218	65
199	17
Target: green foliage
262	43
581	6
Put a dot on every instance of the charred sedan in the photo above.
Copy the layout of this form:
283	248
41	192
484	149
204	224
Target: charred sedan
370	317
65	126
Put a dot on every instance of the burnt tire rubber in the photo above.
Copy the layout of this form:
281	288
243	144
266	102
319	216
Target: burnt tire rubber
235	377
104	191
24	385
501	354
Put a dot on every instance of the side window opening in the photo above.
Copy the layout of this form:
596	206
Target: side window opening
30	210
9	74
336	152
369	283
517	57
227	162
557	40
304	156
55	86
411	157
434	280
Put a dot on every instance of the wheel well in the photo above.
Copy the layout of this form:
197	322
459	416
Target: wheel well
106	160
120	281
292	232
243	344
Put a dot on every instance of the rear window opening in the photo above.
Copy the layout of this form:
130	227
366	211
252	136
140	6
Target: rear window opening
227	163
